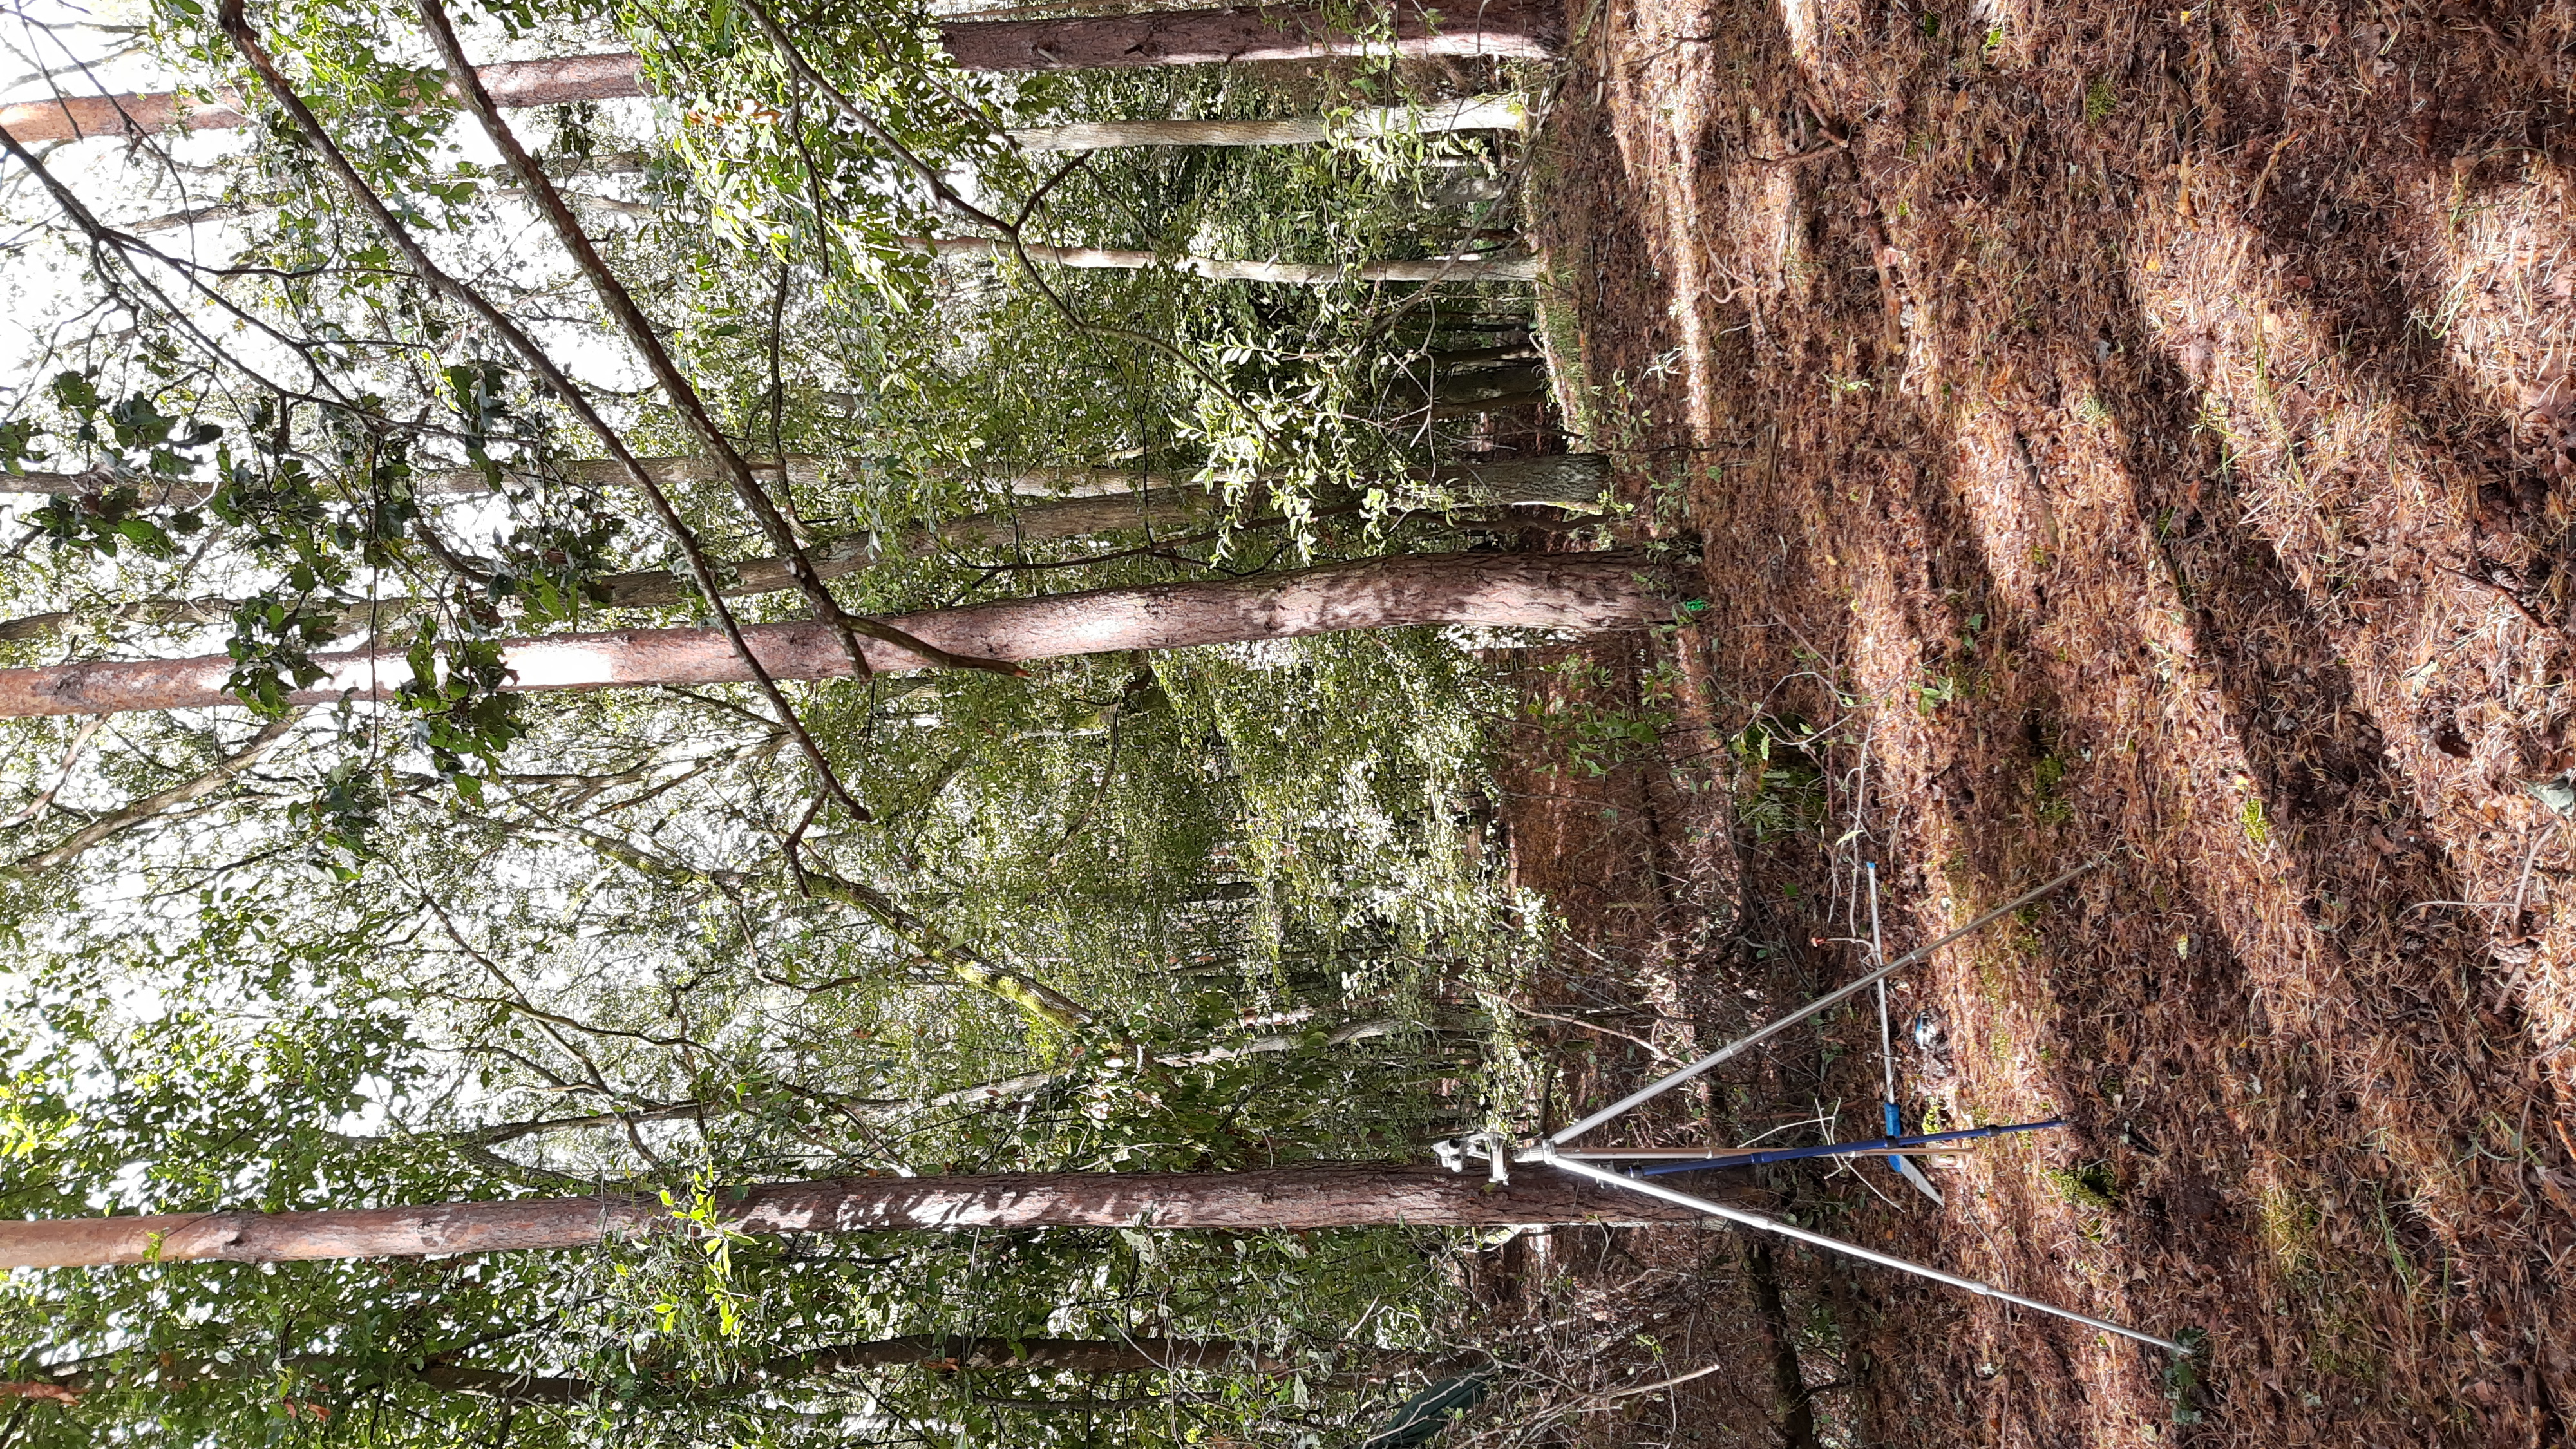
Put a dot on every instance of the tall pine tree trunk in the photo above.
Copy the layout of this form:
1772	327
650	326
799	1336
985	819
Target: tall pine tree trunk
1523	28
1314	1195
551	82
1585	592
1474	113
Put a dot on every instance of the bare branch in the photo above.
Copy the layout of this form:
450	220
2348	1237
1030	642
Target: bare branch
150	806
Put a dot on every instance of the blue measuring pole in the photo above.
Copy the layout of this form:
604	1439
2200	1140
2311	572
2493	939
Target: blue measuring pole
1842	1149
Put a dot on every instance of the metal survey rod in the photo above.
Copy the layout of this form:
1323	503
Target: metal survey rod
1546	1152
1886	1038
1831	999
1889	1144
1893	1120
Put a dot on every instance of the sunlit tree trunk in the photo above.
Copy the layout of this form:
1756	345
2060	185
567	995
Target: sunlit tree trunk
1582	592
1524	28
1314	1195
1474	113
513	83
1565	481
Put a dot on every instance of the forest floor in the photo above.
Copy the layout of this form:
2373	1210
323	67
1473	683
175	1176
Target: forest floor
2107	432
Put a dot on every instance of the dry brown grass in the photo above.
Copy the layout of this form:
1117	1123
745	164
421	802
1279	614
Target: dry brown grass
2108	404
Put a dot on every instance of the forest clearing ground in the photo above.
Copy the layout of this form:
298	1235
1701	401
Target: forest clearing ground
2109	431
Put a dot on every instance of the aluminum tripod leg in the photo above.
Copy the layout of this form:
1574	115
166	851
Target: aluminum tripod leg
1546	1152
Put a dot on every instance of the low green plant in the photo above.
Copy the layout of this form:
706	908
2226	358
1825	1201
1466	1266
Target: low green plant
2090	1184
1779	789
2258	825
1593	731
2182	1376
2047	774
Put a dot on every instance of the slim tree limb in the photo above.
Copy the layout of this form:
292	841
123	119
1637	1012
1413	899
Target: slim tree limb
223	773
959	960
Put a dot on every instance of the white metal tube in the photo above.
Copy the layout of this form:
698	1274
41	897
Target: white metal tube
1831	999
1546	1152
1878	957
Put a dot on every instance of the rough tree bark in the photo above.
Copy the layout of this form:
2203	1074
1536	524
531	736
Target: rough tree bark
1474	113
1525	28
1584	592
1315	1195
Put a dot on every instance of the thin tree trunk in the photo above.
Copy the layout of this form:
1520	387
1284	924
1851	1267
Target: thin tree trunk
1520	351
1571	480
1316	1195
939	1352
57	1393
1499	267
1494	403
1456	386
874	1108
800	471
1586	592
1524	28
1474	113
1789	1392
550	82
235	210
1069	1355
1031	1083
